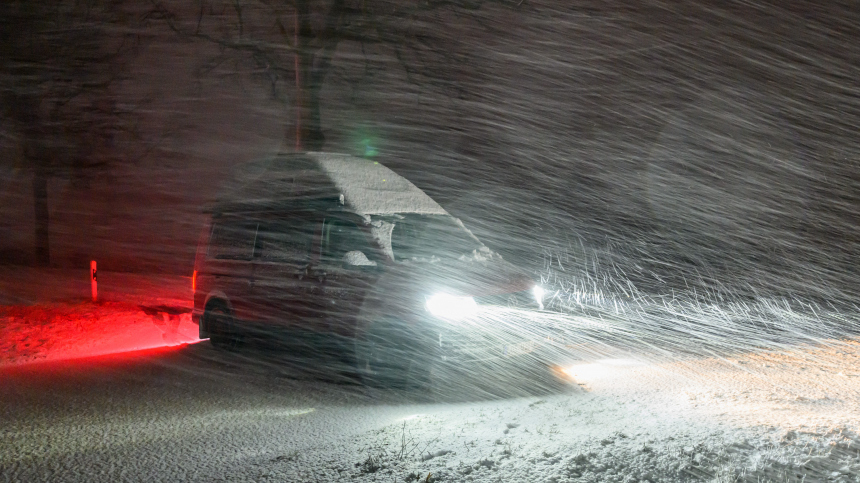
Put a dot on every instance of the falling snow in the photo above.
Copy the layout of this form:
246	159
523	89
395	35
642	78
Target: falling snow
681	179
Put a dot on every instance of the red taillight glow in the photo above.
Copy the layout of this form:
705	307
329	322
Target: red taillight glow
194	281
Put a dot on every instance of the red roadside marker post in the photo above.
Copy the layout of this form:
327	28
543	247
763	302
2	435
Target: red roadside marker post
94	280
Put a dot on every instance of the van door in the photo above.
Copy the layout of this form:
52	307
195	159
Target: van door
228	263
349	265
281	287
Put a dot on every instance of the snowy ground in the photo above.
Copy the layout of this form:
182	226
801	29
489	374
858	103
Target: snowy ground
192	413
133	312
760	417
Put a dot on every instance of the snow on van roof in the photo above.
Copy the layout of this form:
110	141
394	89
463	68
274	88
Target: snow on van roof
371	188
368	187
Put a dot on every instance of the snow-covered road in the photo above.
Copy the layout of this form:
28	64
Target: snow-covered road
191	413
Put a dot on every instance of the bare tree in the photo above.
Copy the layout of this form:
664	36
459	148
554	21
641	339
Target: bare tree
59	60
294	41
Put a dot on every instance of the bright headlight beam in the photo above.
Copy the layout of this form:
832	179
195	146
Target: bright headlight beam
451	307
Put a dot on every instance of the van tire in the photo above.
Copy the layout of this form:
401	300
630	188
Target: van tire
221	328
386	356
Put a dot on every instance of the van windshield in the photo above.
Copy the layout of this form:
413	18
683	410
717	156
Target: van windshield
426	236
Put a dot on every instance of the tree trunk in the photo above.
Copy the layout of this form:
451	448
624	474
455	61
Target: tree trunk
301	11
307	128
40	203
314	138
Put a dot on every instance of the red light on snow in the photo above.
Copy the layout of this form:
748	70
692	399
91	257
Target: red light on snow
194	281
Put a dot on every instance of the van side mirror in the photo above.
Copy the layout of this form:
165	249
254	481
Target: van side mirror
357	258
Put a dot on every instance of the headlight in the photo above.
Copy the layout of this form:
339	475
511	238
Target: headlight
539	293
451	307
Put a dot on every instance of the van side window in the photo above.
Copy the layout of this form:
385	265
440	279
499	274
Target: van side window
342	236
233	240
286	241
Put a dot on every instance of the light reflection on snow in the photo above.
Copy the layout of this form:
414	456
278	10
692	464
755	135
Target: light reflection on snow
601	368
